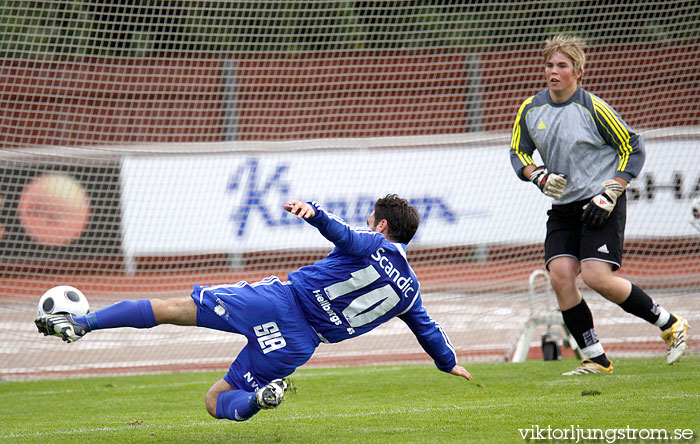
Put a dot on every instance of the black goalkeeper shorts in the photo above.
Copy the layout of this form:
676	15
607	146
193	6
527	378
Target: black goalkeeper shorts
568	236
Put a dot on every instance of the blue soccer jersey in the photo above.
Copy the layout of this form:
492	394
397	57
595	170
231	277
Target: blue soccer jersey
365	281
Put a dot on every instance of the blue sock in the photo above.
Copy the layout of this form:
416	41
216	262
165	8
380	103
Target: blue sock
237	405
137	314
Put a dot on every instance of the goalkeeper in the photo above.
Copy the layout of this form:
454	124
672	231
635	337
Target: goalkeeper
590	155
364	282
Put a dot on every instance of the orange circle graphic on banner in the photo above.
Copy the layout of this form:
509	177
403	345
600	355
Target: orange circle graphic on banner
54	209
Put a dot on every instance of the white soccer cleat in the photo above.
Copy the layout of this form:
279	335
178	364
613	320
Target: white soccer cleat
588	367
61	325
271	395
675	338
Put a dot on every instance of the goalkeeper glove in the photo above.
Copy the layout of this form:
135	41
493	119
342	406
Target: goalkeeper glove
551	184
596	212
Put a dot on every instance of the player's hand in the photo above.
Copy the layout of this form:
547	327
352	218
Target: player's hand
551	184
458	370
597	211
300	209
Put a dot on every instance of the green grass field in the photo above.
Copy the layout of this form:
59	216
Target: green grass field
391	404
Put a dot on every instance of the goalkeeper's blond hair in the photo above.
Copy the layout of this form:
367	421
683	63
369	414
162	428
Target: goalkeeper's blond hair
570	46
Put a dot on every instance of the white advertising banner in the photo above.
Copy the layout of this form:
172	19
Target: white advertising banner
232	202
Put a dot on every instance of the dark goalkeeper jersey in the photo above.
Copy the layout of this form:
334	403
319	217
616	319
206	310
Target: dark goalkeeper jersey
365	281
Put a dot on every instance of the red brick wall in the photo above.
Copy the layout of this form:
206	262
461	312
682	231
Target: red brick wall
359	94
101	101
355	94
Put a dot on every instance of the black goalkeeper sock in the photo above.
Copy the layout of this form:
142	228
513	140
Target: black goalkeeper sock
671	320
602	360
579	321
641	305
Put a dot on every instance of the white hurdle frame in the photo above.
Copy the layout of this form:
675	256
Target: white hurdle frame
551	317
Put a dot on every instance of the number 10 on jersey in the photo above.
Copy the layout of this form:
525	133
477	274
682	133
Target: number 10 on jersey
358	312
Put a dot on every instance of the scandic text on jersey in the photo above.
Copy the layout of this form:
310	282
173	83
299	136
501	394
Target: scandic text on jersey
404	283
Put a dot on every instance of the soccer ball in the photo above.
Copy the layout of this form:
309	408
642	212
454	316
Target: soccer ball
63	299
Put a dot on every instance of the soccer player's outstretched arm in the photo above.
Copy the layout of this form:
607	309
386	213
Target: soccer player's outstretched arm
355	241
434	340
458	370
302	210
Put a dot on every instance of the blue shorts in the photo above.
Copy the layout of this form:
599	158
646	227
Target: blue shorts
266	312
